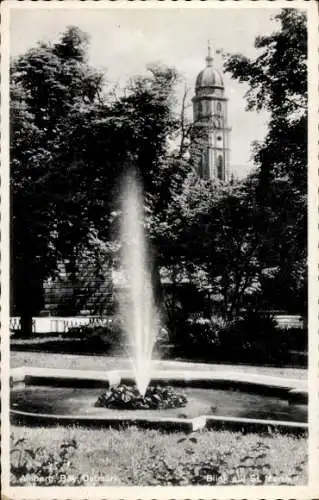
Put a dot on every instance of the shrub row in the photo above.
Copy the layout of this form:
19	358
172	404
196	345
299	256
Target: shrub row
254	338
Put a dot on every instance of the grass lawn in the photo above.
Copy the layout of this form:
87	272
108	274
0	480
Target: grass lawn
148	457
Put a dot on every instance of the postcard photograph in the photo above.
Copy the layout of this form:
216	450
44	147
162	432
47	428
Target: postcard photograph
159	271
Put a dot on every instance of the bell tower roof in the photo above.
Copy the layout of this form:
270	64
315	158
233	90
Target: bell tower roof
209	77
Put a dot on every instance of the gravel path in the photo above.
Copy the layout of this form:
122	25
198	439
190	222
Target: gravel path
82	362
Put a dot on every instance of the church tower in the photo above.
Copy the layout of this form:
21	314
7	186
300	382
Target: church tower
210	148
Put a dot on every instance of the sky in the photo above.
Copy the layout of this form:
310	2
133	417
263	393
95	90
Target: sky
124	41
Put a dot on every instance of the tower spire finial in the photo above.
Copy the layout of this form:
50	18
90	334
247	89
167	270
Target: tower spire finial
209	58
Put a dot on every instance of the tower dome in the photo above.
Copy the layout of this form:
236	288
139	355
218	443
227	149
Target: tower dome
209	77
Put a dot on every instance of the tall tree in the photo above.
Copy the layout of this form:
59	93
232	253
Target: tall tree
54	94
70	148
277	79
216	230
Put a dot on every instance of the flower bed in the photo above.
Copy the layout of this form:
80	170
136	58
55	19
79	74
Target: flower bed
129	398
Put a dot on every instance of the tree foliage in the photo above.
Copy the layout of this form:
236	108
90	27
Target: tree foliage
277	79
53	96
70	148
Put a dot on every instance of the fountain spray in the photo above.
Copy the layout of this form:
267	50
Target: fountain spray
137	306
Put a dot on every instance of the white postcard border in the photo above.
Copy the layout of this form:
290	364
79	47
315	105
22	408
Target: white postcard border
237	492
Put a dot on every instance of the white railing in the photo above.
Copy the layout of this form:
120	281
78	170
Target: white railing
56	324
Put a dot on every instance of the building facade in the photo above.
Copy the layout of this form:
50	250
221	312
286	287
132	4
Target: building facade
211	133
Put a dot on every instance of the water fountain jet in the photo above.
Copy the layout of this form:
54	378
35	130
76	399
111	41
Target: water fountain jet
137	307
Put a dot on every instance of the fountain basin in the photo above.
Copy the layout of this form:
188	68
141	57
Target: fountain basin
215	399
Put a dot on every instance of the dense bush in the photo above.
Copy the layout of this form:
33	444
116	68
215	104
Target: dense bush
108	335
205	332
40	467
297	338
253	338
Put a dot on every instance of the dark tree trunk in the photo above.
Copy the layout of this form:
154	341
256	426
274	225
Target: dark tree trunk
26	324
29	298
